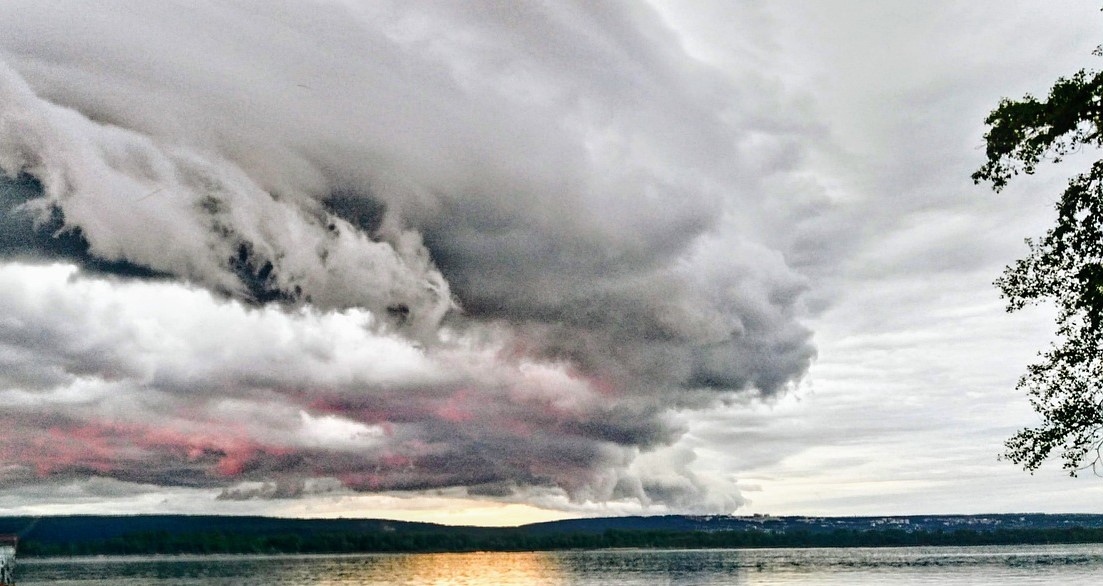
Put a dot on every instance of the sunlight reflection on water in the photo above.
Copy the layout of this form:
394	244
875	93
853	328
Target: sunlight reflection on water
475	569
1067	565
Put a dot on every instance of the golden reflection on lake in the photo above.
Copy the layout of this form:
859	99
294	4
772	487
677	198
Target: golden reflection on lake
465	569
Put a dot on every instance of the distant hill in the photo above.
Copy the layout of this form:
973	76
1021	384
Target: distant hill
169	534
907	523
79	528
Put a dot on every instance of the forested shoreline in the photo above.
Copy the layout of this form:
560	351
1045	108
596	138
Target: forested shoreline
517	540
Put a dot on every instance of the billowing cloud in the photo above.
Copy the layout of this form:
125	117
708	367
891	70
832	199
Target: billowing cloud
277	248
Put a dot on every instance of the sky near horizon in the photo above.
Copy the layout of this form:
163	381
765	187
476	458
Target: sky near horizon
496	262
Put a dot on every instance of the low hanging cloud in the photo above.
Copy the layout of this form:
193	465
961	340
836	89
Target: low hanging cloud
380	248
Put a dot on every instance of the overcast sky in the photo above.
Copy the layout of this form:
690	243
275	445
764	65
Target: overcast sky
491	262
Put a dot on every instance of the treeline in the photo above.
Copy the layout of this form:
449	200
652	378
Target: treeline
518	540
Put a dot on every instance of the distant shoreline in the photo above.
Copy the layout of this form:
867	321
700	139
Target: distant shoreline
197	557
51	537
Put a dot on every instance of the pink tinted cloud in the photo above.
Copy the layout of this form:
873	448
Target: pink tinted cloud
110	448
459	407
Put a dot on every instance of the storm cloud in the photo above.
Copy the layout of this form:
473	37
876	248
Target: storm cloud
383	247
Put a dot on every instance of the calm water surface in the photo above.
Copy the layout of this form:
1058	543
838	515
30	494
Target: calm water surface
1065	564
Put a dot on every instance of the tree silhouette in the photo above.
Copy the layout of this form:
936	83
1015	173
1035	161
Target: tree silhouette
1064	267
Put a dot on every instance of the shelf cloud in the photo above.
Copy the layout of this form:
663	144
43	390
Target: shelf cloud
276	249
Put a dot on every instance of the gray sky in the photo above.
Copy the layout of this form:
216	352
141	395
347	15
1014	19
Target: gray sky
493	262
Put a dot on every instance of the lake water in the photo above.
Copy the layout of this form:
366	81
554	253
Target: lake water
1059	564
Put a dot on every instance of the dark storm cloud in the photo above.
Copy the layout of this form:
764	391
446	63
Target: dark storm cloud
153	383
26	235
547	217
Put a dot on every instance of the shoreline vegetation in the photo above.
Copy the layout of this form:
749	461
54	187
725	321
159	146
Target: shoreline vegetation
181	534
512	540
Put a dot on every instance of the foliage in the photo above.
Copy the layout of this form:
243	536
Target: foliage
163	543
200	535
1065	267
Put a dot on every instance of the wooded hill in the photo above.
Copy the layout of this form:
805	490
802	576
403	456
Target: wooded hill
174	534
